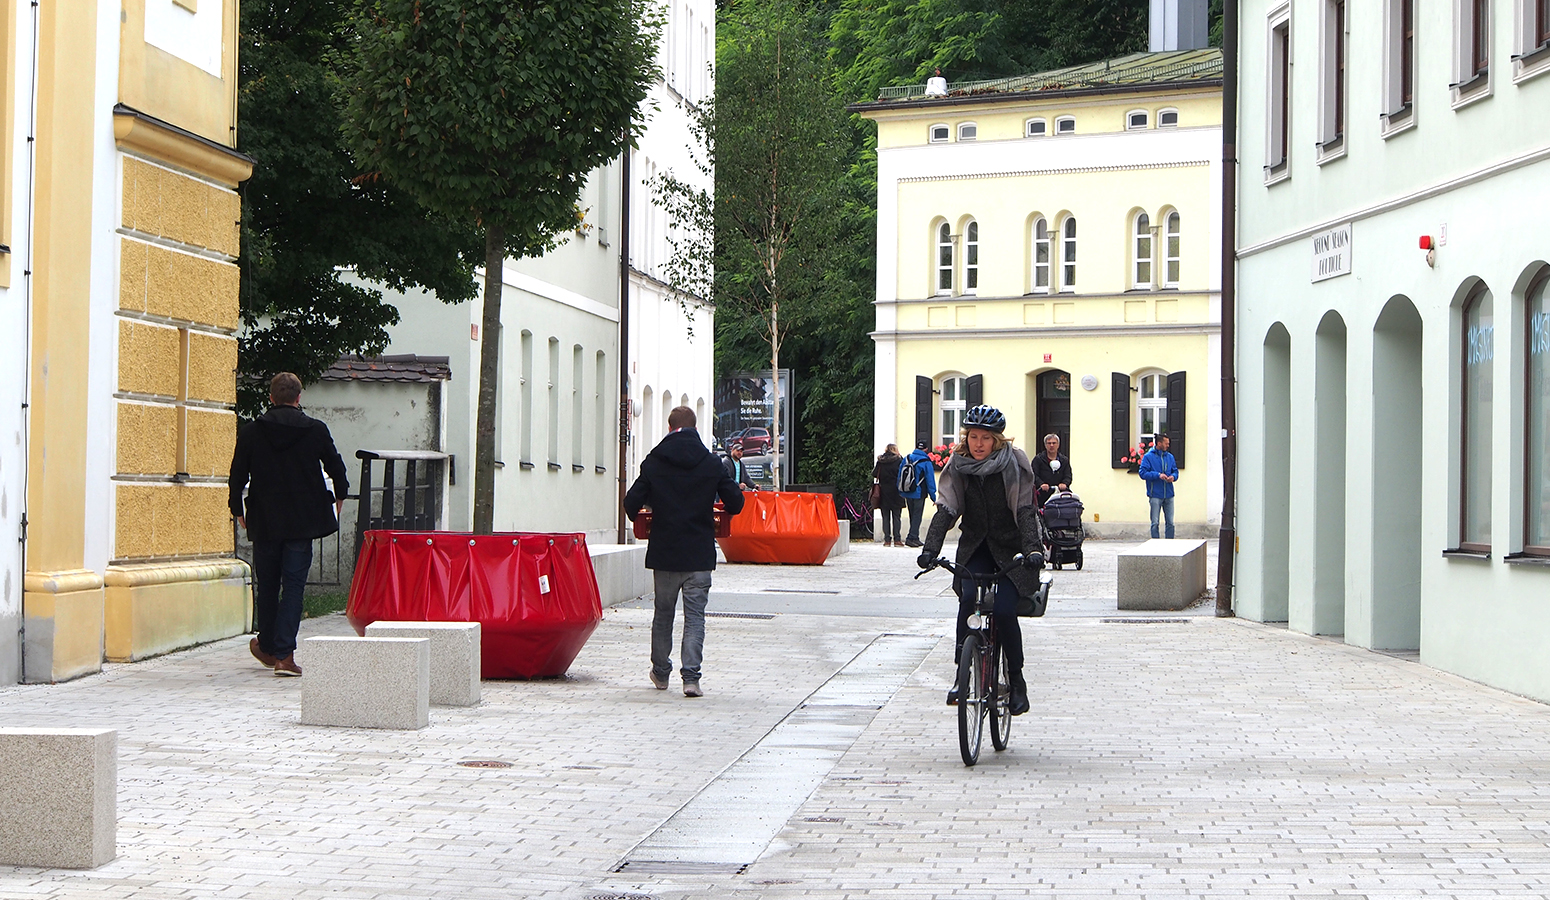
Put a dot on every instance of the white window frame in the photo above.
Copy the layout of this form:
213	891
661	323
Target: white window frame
1531	56
1470	86
1278	95
1146	120
1047	265
1158	404
1068	271
1166	111
968	131
947	133
1334	82
971	257
1398	114
940	242
1172	258
1043	127
1062	121
1143	243
957	406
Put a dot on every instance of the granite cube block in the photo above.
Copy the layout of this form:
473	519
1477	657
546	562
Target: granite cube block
454	657
1162	574
366	682
58	797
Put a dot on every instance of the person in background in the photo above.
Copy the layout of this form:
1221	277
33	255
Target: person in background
885	493
737	470
925	486
280	458
1051	469
680	480
1159	471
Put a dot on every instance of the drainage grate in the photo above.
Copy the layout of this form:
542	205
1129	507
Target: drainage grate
484	764
722	615
823	819
1145	621
620	897
795	591
676	867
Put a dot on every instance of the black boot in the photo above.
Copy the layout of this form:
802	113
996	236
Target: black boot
952	696
1018	704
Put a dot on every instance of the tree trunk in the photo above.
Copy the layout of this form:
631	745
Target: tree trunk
775	391
489	363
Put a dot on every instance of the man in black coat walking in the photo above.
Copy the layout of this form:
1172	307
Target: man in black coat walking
680	480
288	506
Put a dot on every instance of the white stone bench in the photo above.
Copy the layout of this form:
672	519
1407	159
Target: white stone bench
58	797
1162	574
621	572
842	546
366	682
454	657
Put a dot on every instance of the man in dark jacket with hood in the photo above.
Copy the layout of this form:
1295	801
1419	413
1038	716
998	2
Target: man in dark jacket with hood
288	506
680	480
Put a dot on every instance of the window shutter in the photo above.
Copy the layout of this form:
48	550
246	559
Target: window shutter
1119	420
973	391
1176	418
923	391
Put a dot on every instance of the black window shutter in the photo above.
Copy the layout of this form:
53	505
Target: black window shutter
973	391
1119	420
923	392
1176	418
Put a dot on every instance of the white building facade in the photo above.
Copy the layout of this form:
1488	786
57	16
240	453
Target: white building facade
1394	466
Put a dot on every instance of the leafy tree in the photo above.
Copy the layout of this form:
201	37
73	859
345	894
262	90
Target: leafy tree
493	112
307	213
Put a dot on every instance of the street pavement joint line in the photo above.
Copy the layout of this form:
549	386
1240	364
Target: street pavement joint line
733	819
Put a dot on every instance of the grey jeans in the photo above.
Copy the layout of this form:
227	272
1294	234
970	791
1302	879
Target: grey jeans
696	592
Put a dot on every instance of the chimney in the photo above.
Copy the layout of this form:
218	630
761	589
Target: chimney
1179	25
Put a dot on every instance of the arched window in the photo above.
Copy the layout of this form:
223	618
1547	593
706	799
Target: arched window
971	258
1041	255
1478	358
968	131
1536	430
953	391
1136	120
944	259
1167	118
1171	265
1141	247
1152	405
1035	128
1065	125
1068	254
940	134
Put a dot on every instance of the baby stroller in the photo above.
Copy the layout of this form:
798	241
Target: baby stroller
1063	535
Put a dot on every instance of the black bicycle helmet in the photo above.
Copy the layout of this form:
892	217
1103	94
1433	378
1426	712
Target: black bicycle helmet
986	417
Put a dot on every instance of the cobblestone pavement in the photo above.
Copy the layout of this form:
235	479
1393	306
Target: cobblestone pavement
1169	759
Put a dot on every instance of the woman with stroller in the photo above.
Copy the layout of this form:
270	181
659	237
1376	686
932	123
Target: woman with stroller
987	487
1051	469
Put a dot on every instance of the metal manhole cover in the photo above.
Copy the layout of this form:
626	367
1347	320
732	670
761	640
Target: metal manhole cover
484	764
722	615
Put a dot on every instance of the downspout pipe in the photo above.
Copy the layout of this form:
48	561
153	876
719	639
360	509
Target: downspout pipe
1228	536
624	340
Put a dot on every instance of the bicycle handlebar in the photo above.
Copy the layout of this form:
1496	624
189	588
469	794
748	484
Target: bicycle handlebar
963	571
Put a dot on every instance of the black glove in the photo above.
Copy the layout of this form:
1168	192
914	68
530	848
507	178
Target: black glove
927	559
1034	560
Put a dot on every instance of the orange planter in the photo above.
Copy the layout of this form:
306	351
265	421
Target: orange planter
798	529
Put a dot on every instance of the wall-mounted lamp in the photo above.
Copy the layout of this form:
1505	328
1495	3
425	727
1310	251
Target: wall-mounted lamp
1430	246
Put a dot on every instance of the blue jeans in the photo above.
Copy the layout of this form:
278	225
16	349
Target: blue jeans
696	591
1164	506
279	580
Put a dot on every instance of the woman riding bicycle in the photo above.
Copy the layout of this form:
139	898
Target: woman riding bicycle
988	485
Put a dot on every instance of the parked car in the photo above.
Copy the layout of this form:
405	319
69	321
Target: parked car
755	440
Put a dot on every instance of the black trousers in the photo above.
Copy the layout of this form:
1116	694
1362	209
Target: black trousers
279	581
1009	632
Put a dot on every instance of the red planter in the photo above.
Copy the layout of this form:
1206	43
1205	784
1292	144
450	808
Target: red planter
534	595
782	527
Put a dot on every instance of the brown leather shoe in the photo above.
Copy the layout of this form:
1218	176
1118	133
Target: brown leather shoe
259	654
287	666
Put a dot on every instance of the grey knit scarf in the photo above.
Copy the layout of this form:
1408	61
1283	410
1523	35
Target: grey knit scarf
1008	462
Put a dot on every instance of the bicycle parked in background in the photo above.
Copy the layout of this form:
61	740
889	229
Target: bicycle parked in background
859	514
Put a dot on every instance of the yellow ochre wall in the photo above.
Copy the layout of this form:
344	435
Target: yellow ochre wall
1005	121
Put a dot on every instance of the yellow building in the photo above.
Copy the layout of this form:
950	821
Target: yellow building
118	303
1047	244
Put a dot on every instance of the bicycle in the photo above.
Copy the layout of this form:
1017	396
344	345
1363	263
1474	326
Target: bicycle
983	688
859	514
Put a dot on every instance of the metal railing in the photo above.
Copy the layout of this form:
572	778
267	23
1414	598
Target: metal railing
408	494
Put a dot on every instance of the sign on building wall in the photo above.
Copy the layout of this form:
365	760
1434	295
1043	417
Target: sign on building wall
1332	252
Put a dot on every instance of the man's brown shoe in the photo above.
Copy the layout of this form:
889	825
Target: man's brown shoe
287	666
260	655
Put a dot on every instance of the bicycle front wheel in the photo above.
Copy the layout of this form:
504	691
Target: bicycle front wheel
1000	699
971	698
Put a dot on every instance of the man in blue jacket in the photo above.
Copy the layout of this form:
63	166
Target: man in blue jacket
925	486
1160	472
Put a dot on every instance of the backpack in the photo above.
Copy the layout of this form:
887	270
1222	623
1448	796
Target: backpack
908	479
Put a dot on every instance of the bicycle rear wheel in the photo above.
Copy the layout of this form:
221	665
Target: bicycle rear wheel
1000	700
971	699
